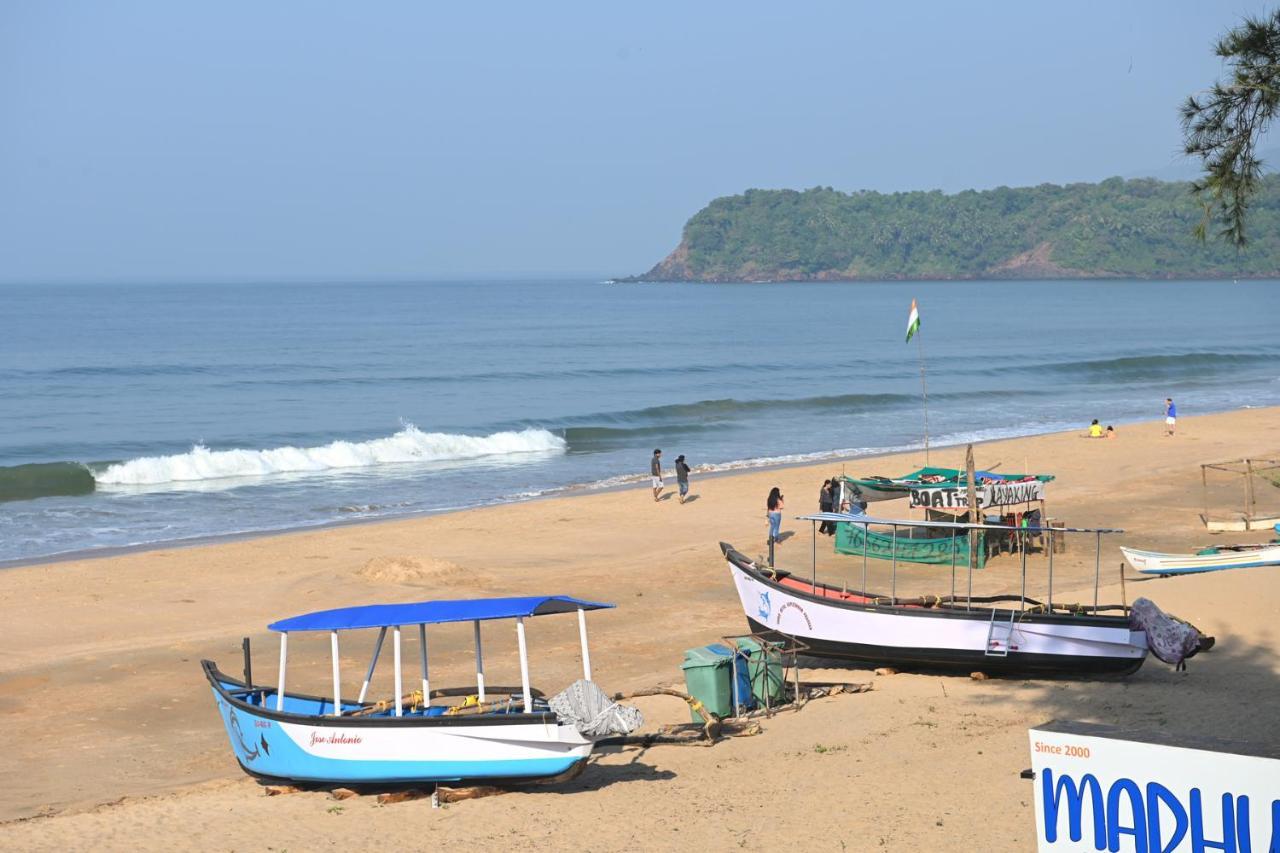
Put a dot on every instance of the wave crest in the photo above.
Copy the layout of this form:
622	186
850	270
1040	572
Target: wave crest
408	445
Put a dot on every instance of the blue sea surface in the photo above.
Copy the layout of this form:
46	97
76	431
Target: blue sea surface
145	414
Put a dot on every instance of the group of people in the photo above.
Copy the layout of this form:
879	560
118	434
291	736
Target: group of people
655	475
1170	422
1096	430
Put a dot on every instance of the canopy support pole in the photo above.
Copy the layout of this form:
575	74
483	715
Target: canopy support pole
337	682
395	651
582	635
969	549
953	568
524	665
893	583
368	676
284	655
1097	569
1049	541
1022	546
814	525
479	661
866	531
426	684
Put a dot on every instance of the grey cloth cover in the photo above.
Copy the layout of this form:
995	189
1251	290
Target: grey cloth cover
593	713
1170	639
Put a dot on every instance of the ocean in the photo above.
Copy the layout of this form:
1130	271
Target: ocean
137	415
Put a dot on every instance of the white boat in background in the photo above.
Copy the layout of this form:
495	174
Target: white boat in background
1003	634
1208	560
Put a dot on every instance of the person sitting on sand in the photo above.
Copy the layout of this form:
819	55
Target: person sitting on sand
1095	429
1111	431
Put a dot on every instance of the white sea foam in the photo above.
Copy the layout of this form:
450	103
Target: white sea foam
408	445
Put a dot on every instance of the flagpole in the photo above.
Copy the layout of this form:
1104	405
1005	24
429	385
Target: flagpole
924	399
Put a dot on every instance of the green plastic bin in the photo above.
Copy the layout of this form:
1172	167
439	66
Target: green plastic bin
708	677
764	668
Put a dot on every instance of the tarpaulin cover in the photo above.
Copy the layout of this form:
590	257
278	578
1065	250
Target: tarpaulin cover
433	612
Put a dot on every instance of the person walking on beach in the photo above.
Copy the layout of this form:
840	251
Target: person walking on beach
682	476
1170	415
655	473
773	507
825	503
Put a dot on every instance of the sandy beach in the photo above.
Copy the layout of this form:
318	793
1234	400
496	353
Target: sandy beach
113	741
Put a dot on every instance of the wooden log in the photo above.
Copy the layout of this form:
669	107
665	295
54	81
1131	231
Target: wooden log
475	792
390	797
277	790
713	723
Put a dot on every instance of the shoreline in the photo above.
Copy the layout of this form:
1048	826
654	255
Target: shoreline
744	466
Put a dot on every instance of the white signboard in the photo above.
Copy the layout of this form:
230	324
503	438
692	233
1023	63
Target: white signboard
991	494
1097	789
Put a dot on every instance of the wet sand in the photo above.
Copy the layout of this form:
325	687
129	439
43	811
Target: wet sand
112	738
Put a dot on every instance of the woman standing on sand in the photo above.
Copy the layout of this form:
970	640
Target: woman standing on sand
774	505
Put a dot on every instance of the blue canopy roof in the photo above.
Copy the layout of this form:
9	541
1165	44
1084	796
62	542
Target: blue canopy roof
433	612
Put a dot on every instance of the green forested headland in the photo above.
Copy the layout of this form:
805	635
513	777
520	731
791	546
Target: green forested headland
1132	229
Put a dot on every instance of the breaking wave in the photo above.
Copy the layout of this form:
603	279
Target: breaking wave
406	446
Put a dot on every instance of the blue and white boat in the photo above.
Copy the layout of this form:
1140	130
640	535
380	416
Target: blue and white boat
492	736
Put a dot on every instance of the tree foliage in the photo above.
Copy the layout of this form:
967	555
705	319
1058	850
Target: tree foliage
1135	228
1223	125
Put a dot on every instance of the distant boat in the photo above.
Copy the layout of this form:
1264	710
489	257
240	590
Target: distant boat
1209	560
502	733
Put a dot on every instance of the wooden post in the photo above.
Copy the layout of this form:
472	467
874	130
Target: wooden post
975	515
1204	491
1249	505
248	662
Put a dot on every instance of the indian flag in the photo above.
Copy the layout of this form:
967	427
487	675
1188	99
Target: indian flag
913	321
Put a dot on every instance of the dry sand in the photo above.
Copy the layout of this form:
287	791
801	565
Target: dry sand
112	740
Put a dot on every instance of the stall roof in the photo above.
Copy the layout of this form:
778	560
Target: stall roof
864	520
433	612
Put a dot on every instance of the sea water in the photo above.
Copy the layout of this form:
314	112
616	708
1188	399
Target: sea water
144	414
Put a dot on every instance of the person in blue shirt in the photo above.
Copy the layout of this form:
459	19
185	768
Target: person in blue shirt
1170	415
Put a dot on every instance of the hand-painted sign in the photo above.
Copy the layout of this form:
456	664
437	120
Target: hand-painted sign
990	494
1104	788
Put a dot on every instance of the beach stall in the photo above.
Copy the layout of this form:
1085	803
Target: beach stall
942	493
1255	476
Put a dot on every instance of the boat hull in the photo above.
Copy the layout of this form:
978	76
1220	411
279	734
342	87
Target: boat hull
942	638
1156	563
390	750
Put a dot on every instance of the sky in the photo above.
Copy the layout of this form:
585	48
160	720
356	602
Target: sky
282	141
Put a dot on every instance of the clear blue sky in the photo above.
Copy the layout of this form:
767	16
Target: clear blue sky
155	141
